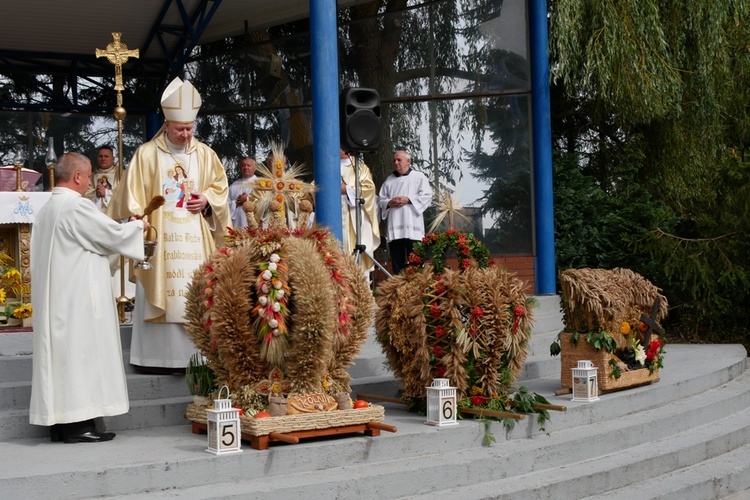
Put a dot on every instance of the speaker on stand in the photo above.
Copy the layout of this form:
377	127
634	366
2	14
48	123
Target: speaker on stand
359	110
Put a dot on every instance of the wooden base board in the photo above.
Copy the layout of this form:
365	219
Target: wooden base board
262	442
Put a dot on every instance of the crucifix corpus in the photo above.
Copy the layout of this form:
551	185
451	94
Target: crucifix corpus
118	54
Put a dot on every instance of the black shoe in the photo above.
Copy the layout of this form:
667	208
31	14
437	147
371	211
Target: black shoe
90	437
56	433
158	370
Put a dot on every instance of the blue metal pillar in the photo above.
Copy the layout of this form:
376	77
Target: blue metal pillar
540	110
325	105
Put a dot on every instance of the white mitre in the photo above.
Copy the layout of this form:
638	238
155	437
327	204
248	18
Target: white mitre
180	102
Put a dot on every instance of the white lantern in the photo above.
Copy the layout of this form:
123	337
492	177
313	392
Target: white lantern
223	422
585	383
441	403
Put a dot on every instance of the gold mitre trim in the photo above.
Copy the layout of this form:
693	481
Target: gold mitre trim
180	102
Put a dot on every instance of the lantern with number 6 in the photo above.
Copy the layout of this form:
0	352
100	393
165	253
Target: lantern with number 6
441	403
223	424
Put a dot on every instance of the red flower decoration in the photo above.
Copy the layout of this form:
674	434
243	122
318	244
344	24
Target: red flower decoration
414	259
439	331
476	312
653	350
478	400
518	311
434	311
465	264
437	350
440	371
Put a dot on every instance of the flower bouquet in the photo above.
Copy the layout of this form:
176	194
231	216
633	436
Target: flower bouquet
12	310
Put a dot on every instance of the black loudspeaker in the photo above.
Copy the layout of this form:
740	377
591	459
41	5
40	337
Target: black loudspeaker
359	109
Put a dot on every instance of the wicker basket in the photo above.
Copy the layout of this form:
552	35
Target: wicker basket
570	355
300	422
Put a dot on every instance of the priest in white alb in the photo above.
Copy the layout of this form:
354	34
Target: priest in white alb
403	198
240	190
77	372
188	226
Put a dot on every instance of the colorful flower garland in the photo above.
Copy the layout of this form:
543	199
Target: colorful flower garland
435	246
271	310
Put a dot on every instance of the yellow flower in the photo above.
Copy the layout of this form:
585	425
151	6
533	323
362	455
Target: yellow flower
23	312
12	275
2	295
625	328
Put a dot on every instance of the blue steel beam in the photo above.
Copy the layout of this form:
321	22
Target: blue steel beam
188	34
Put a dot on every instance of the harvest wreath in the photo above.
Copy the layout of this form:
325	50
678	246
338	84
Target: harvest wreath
470	325
280	314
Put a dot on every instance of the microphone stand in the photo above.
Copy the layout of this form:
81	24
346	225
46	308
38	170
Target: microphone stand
360	248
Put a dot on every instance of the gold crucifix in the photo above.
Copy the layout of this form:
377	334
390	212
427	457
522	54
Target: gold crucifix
118	54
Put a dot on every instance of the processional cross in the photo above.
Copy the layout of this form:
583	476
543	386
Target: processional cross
118	54
281	186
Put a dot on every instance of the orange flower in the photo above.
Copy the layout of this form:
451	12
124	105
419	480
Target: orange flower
625	328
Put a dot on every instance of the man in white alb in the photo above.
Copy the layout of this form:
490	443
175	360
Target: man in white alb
239	191
103	183
77	372
189	227
104	180
404	196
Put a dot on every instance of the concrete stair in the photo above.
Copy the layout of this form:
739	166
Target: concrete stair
687	436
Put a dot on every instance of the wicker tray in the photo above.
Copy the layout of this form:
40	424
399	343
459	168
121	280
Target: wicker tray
302	422
570	355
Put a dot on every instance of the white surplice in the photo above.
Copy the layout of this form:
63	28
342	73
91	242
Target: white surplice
405	222
238	187
78	370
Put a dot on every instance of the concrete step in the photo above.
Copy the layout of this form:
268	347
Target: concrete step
726	476
544	467
633	466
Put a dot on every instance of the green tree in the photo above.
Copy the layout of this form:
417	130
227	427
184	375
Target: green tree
650	103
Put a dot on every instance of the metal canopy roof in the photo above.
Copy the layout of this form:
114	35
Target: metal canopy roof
60	37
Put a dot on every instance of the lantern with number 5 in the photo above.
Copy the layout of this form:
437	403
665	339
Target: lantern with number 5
441	403
223	424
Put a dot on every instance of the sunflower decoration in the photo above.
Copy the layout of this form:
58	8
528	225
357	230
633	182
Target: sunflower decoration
11	281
